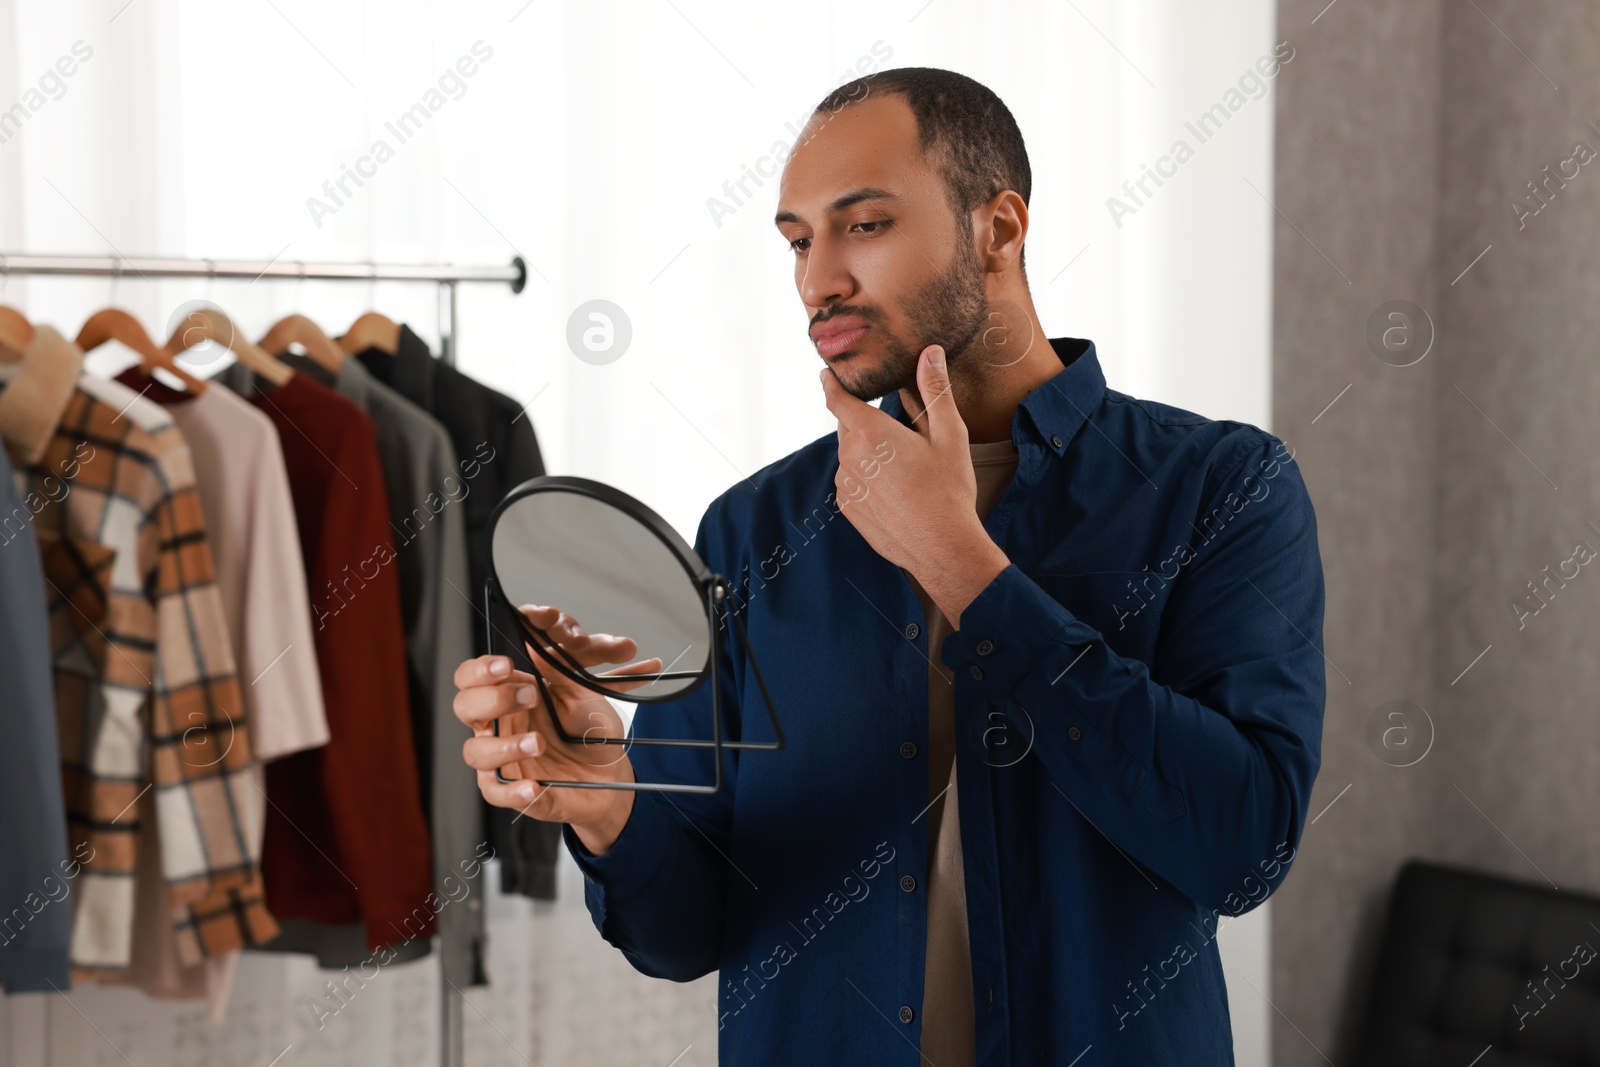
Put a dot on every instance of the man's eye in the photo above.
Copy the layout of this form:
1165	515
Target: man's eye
876	224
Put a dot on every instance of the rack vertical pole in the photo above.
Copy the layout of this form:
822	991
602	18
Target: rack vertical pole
447	322
452	1047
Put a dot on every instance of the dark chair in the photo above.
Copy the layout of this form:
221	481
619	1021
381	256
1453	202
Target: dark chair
1471	962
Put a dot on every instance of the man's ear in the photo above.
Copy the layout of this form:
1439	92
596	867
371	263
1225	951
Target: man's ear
1000	239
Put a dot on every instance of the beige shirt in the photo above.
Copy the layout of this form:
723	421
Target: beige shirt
947	1022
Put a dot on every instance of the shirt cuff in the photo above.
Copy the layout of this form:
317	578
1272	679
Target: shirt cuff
634	857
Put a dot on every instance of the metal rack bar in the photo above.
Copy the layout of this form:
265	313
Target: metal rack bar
514	274
447	276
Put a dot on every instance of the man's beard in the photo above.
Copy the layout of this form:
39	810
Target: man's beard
948	311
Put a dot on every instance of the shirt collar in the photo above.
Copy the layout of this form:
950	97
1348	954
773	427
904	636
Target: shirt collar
39	388
354	381
415	366
409	371
1059	407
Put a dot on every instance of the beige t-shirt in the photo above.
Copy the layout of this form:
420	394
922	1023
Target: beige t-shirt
947	1025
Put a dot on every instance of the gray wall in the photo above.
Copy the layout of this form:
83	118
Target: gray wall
1441	488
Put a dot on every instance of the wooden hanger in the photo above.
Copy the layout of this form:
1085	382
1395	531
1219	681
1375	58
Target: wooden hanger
209	324
372	330
16	334
297	329
114	324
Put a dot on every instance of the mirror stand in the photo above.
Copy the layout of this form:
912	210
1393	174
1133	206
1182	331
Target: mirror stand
714	590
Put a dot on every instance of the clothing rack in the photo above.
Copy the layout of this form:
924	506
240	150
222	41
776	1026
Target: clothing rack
448	277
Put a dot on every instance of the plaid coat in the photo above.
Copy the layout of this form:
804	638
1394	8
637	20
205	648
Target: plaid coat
146	694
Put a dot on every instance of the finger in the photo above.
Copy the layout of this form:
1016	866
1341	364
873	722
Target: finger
588	649
566	690
939	406
855	414
547	621
483	670
481	705
557	626
616	649
845	405
592	649
517	796
644	666
490	753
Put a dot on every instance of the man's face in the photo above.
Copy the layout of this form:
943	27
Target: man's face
878	254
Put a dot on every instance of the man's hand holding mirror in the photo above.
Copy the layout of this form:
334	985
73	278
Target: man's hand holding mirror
529	748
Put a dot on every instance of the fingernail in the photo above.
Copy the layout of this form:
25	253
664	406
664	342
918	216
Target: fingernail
530	744
526	695
500	667
936	357
525	790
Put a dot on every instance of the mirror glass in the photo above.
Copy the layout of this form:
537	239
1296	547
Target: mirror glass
612	574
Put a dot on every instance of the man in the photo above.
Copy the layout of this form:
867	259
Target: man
1052	693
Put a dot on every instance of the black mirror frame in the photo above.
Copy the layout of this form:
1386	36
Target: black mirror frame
712	588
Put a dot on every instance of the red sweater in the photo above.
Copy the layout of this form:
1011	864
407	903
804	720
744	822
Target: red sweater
346	840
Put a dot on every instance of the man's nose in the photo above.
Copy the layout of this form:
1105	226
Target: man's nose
827	279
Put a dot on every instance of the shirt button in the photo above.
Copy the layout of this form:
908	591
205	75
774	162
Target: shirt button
1055	441
912	630
908	883
908	750
976	671
1074	733
906	1014
985	647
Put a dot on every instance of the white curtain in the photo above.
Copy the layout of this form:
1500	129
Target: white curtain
592	139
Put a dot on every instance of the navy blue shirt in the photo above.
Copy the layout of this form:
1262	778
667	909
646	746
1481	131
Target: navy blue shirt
1138	701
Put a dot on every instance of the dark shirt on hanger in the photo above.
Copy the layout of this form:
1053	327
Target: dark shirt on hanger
497	450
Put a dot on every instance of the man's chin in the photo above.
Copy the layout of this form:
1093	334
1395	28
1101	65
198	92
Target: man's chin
865	380
869	391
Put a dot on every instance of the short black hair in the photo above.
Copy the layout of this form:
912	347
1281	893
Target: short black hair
973	138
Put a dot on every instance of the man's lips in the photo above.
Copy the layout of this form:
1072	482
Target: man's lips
839	343
838	335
